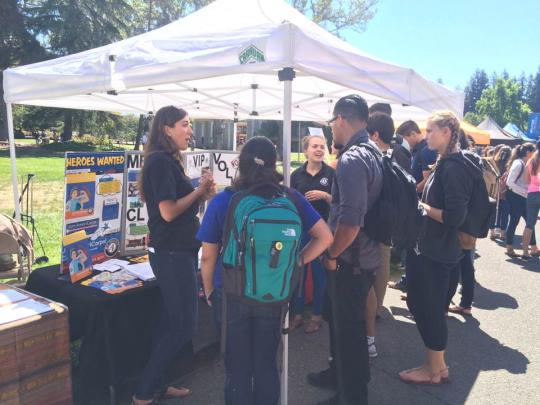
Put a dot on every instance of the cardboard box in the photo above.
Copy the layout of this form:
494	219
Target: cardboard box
35	358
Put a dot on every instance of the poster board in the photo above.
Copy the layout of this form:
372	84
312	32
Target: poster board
93	202
135	216
224	167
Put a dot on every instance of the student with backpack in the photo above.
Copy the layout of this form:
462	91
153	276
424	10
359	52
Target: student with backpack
479	207
516	196
500	219
446	199
532	171
354	257
313	180
173	205
250	238
380	127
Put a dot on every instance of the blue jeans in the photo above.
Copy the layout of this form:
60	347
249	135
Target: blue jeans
318	274
253	336
518	209
175	272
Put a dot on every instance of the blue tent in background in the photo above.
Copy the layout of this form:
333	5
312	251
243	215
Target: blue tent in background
514	130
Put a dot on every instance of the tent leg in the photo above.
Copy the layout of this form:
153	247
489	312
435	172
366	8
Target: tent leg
13	158
286	75
235	129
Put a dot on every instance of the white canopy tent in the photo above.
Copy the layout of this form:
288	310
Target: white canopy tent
225	61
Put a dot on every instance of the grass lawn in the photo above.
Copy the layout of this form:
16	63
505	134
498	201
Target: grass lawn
48	194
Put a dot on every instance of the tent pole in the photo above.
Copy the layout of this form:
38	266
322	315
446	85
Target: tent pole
286	75
13	158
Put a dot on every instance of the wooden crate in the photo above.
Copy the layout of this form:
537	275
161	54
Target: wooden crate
35	359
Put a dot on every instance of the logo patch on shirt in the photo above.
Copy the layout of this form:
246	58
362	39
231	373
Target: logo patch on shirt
324	181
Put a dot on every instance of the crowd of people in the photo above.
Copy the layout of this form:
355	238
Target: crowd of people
350	268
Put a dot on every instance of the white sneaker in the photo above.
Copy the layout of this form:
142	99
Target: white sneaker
372	349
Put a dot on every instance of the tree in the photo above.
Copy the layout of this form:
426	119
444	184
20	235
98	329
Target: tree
473	91
17	46
337	16
502	103
532	94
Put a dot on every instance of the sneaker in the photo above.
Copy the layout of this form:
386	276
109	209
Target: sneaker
372	349
326	379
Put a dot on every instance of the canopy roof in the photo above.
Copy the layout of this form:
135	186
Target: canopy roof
225	58
514	130
481	137
496	132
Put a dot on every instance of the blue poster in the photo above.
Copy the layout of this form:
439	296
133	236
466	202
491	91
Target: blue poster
534	126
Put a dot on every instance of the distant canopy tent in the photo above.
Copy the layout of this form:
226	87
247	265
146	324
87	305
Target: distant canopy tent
498	135
479	136
233	59
514	130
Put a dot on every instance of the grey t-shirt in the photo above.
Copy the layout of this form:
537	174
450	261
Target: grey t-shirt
356	187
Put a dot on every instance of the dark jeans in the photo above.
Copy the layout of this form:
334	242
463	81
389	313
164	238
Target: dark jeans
466	271
500	220
215	299
428	283
517	206
175	272
253	336
351	344
318	274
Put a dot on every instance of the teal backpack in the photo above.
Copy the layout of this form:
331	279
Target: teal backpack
261	245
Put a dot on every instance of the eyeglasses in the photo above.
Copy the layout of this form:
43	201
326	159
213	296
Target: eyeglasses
335	118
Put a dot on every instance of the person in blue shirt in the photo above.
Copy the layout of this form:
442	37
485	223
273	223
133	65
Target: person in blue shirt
253	332
78	198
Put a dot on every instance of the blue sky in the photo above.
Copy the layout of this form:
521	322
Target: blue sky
450	39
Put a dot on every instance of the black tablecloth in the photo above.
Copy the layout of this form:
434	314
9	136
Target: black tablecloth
116	329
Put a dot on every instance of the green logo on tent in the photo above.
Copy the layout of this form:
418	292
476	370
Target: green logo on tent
251	54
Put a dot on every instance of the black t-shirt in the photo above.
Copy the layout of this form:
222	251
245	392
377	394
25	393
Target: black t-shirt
302	181
164	179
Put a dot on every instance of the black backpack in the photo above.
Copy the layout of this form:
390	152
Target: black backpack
395	217
481	205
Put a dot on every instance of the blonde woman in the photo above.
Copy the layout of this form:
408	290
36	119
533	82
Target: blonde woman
438	253
314	181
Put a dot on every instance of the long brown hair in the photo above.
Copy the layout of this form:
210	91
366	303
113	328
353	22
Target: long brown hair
520	152
535	160
158	141
502	157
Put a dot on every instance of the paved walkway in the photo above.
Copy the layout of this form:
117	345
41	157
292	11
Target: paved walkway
494	358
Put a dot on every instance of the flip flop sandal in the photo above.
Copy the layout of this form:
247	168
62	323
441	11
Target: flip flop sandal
535	254
186	393
526	257
511	254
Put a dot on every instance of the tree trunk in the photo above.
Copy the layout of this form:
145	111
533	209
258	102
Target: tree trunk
81	123
3	111
68	126
140	129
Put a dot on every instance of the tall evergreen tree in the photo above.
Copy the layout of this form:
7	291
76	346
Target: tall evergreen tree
473	91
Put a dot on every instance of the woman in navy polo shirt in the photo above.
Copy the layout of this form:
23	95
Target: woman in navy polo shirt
313	180
172	204
253	332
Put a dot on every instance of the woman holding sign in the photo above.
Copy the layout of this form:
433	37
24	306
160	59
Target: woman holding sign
172	204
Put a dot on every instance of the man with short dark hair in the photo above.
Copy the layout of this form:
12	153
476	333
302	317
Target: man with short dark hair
381	107
422	157
381	131
354	255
